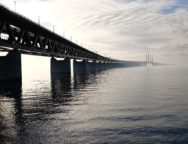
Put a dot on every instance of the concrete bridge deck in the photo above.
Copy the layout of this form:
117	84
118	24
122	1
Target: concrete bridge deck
19	34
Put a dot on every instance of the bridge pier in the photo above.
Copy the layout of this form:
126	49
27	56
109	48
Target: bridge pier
99	66
79	66
109	65
84	66
105	65
10	66
60	66
91	67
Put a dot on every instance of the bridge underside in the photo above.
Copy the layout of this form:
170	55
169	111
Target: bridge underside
10	66
60	66
28	37
21	35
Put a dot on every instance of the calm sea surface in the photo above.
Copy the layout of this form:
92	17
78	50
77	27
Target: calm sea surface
118	106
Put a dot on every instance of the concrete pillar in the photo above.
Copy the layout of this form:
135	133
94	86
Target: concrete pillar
112	65
10	66
98	66
60	66
91	67
108	65
79	66
105	65
101	66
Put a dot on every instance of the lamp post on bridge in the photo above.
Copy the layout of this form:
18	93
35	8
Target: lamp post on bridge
14	5
53	28
39	20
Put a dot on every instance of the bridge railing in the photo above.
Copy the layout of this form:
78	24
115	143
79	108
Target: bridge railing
22	23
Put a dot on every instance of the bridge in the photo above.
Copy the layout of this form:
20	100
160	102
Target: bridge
19	35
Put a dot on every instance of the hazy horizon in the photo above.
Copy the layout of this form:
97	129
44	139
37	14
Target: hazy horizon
121	29
44	101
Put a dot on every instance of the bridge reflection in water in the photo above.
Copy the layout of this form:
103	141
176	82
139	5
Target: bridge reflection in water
23	111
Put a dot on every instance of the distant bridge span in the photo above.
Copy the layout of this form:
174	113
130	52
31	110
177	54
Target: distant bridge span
19	34
22	34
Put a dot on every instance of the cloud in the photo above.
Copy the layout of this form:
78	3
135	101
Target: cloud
120	28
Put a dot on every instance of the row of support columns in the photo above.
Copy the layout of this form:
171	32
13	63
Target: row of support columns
84	66
10	66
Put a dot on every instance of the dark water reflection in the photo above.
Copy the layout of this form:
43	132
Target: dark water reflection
61	84
135	105
10	88
10	91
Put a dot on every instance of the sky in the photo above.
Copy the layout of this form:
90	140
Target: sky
120	29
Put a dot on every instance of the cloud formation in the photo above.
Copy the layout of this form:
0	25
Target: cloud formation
124	29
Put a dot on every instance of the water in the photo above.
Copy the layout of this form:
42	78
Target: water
118	106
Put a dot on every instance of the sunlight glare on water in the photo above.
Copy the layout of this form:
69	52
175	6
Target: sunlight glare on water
123	105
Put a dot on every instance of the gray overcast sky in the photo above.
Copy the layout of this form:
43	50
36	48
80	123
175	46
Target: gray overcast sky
123	29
